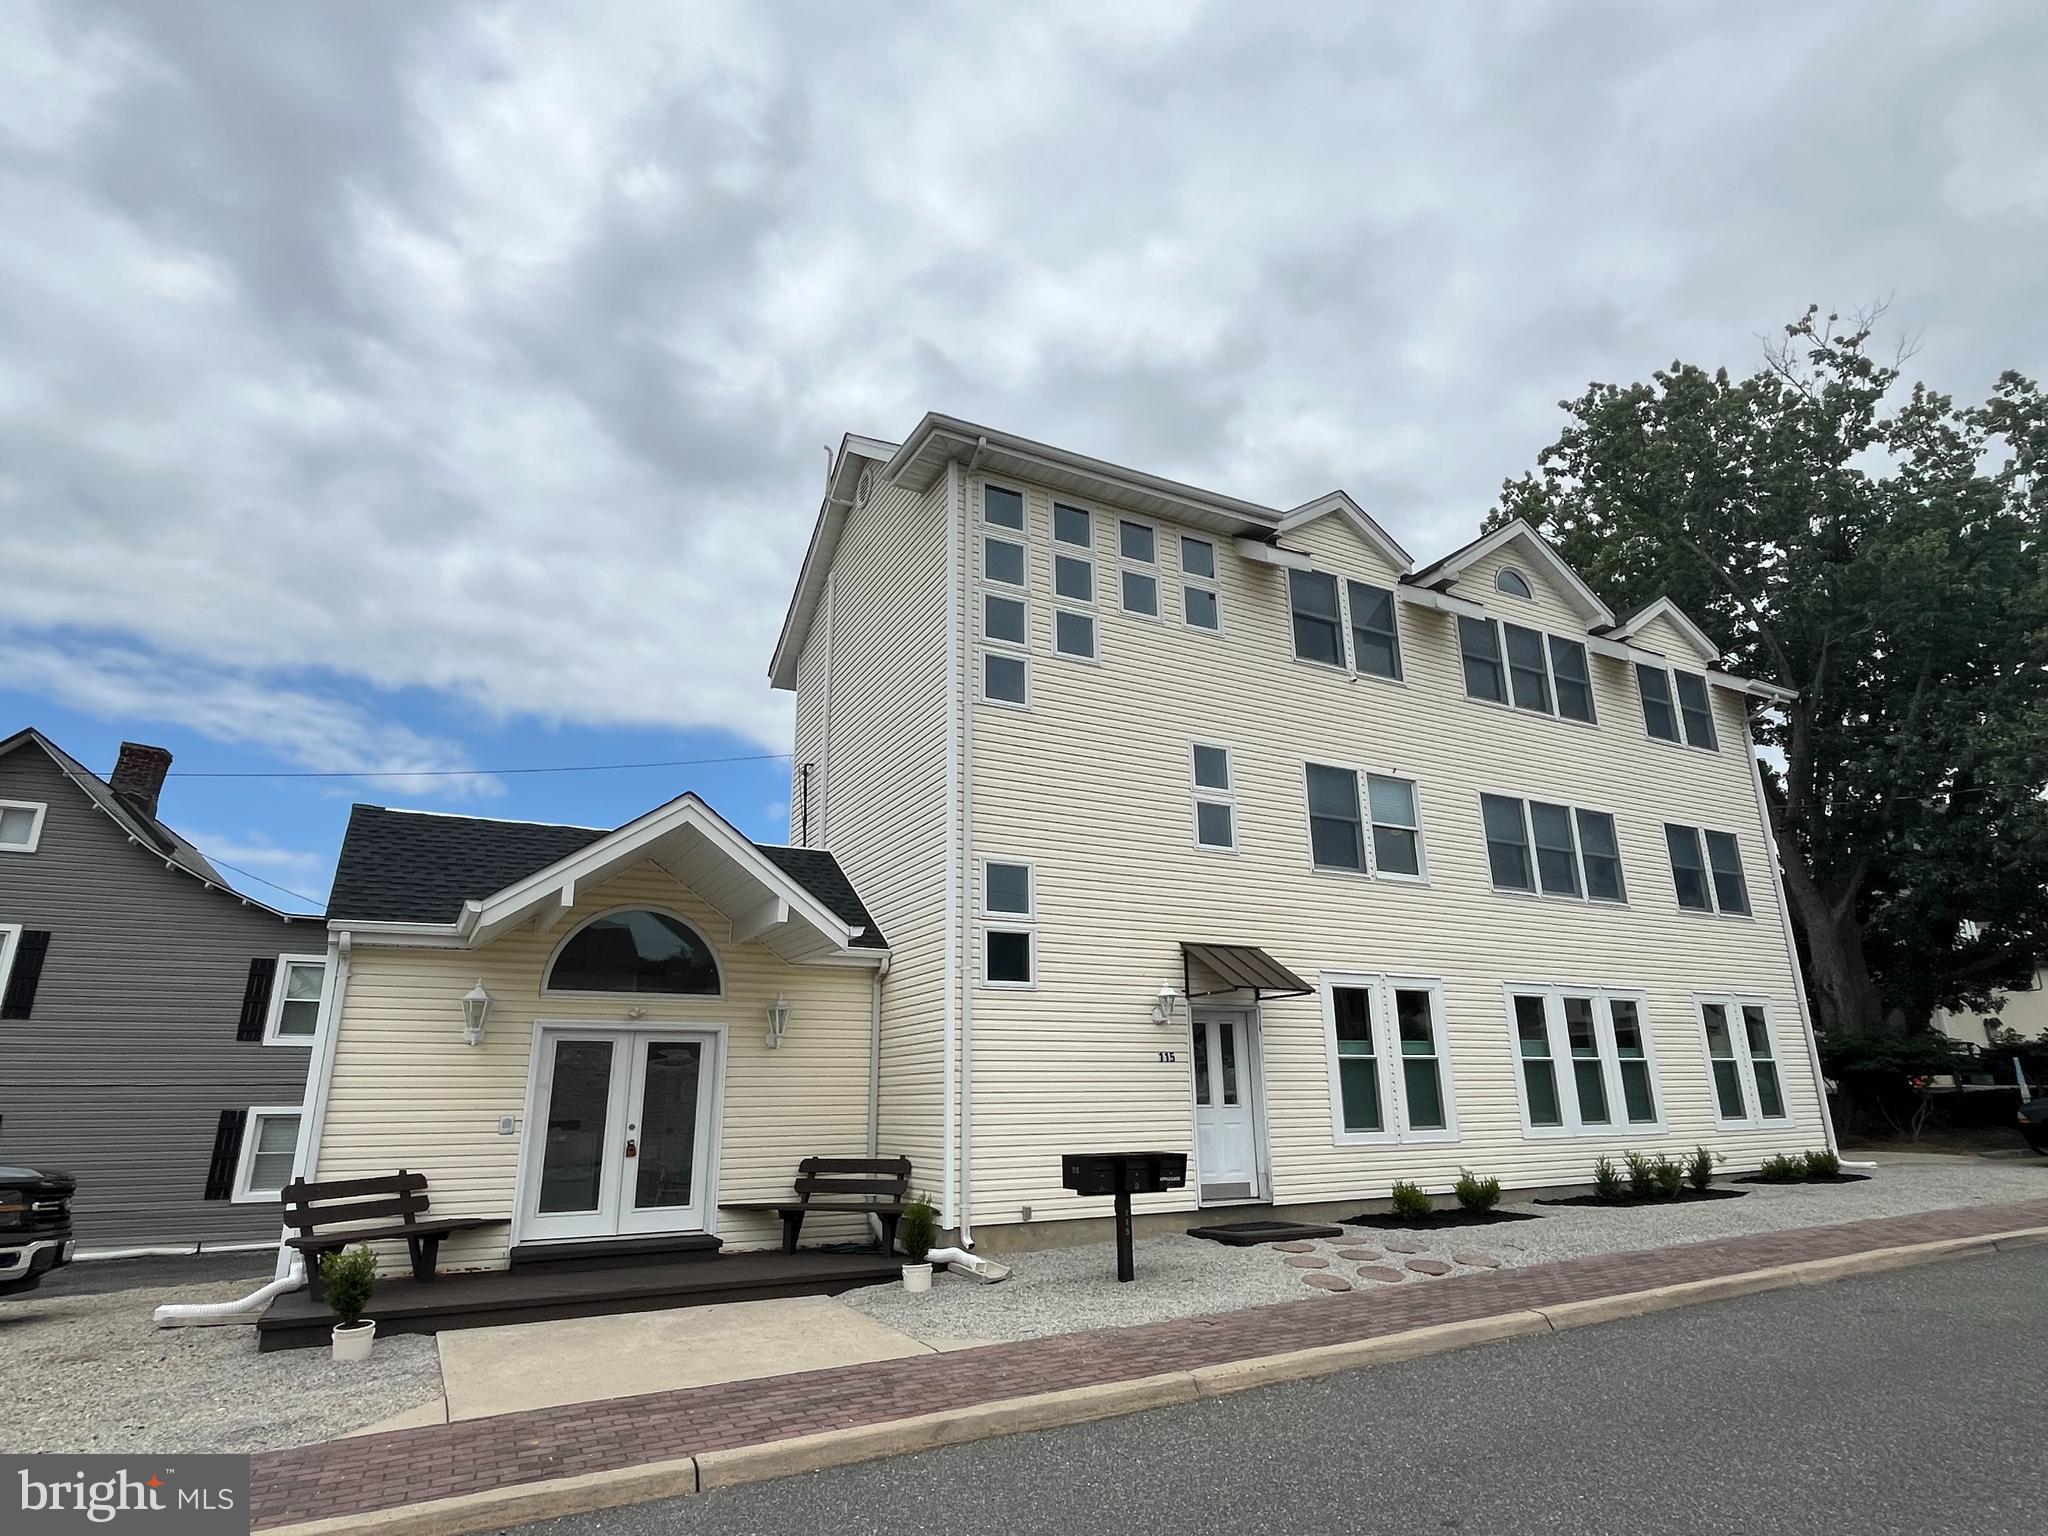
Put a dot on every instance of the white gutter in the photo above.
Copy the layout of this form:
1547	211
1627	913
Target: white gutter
326	1034
955	671
1763	811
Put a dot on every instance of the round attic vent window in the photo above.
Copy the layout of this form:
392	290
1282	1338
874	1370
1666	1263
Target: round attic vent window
1513	582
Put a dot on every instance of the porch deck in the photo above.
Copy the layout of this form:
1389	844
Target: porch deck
532	1294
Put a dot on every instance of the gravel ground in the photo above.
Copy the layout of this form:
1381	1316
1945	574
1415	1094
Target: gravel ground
1060	1290
88	1372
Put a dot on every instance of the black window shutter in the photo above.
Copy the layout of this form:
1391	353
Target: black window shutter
22	981
227	1151
256	999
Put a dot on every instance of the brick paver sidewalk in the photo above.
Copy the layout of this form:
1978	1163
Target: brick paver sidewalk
347	1477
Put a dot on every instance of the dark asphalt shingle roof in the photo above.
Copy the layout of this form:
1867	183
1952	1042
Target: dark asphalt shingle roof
419	867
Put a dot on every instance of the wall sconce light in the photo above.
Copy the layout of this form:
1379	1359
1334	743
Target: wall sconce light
476	1006
1169	1002
778	1022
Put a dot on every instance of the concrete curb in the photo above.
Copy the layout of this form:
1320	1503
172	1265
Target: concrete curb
554	1497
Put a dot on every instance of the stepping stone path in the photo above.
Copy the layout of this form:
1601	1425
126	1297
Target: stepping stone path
1379	1272
1429	1266
1327	1282
1394	1247
1359	1255
1306	1261
1476	1260
1295	1247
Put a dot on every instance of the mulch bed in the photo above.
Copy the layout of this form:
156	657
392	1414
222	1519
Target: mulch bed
1437	1221
1824	1178
1683	1197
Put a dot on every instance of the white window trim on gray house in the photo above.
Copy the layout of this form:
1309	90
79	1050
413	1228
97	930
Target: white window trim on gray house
280	994
37	811
244	1191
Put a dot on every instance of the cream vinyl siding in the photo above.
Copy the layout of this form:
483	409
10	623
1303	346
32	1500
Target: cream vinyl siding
407	1093
812	703
1091	785
887	752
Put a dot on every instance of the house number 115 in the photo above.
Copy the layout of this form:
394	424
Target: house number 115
1169	1055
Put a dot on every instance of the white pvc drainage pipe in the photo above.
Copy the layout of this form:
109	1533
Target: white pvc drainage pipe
207	1314
958	1261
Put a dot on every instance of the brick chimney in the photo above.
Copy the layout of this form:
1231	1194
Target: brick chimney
139	774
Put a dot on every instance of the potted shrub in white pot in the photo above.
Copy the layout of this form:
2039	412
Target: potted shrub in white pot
348	1279
917	1231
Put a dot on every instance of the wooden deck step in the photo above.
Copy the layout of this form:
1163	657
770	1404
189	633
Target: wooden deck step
615	1252
529	1295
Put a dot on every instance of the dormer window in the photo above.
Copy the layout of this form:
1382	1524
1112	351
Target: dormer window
1514	583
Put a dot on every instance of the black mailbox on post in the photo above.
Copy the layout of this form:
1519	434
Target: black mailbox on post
1123	1174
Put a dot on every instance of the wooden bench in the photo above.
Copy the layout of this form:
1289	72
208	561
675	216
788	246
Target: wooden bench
866	1186
314	1210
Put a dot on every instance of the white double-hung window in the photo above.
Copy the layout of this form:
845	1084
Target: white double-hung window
1389	1058
1009	931
1137	552
294	1014
1585	1065
1005	600
1200	606
1742	1059
1073	582
270	1142
1215	798
1379	834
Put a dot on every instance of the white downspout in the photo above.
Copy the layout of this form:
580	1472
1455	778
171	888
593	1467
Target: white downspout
875	1058
967	884
825	721
955	601
1763	811
247	1310
326	1033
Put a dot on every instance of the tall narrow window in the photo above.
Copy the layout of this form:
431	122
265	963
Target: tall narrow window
1479	645
1724	859
1318	626
1539	1069
1199	605
1507	843
1688	870
1335	832
1638	1099
1528	672
1589	1083
1396	826
1375	633
1557	854
1009	912
1601	851
1390	1076
1660	719
1729	1103
1073	556
1763	1063
1697	709
1358	1073
1138	550
1215	798
1574	682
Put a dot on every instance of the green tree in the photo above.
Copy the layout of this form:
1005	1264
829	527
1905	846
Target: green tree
1880	550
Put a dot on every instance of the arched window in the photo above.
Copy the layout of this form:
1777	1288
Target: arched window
1513	582
635	952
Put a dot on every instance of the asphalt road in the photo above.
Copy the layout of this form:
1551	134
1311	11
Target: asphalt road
1910	1402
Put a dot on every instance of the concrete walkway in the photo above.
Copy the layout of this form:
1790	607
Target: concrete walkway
465	1475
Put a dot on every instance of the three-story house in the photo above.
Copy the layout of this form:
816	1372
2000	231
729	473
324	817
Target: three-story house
1202	825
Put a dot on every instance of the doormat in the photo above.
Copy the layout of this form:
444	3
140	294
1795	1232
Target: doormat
1387	1220
1249	1234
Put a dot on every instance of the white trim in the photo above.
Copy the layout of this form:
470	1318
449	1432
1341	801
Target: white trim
1155	568
717	965
242	1193
1500	583
38	811
279	985
1395	1129
1671	675
1094	622
1211	584
1361	788
1368	529
10	942
1563	1074
1030	912
1584	895
1699	831
1665	608
320	1078
993	921
1201	794
1517	531
1251	1084
1014	925
983	696
1733	1003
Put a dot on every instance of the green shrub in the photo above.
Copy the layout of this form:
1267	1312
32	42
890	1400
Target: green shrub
348	1278
1667	1177
1642	1176
918	1229
1410	1203
1699	1168
1822	1164
1477	1194
1784	1170
1607	1183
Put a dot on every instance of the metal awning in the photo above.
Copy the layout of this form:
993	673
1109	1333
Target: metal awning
1246	968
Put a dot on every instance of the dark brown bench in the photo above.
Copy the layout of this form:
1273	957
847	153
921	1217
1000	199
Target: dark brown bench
314	1210
866	1186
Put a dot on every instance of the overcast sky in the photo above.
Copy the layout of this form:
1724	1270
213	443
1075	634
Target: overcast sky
434	385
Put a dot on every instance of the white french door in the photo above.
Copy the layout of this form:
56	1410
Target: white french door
1226	1116
621	1139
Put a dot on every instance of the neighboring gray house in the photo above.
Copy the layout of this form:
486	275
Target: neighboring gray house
155	1024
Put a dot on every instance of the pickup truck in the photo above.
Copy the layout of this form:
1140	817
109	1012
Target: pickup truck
35	1226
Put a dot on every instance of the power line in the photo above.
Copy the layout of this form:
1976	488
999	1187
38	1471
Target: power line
311	901
465	773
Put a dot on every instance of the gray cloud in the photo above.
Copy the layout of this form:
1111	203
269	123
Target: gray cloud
490	349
